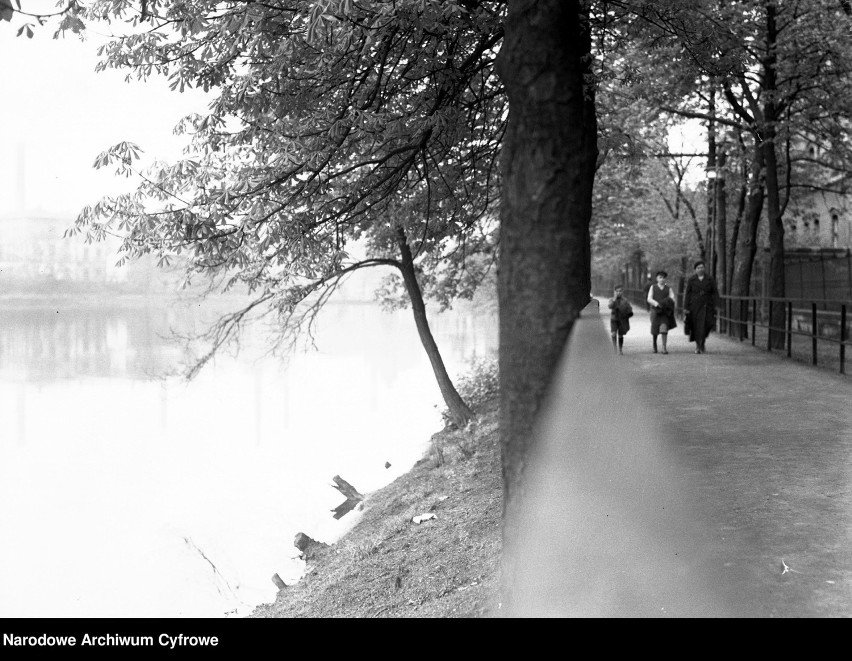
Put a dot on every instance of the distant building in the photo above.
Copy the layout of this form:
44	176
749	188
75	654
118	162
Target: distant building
819	219
33	249
818	232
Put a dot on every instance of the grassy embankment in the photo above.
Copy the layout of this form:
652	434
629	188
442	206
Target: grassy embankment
390	566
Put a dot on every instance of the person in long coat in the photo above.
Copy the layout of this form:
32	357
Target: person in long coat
699	306
661	302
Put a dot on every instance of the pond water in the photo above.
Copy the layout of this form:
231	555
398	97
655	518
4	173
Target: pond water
125	493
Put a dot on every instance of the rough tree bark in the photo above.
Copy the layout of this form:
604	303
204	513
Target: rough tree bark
722	238
777	285
747	238
710	229
460	412
742	196
548	162
721	223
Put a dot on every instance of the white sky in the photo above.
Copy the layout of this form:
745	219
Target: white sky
57	115
61	115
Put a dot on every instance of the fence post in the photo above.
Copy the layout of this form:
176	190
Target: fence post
814	332
789	329
753	320
769	327
728	317
740	324
842	338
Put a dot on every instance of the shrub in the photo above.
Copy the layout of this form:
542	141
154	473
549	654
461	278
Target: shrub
478	384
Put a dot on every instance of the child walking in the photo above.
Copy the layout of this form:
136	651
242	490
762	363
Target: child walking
619	322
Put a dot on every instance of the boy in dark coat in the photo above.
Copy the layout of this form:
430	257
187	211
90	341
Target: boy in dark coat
619	322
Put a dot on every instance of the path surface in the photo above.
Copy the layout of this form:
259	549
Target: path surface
766	447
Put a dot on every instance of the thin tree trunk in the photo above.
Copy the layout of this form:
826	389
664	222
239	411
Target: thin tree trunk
702	250
721	224
777	285
735	230
742	195
773	198
460	412
722	237
548	162
747	239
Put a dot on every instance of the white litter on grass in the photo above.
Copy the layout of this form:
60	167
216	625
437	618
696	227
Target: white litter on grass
786	568
420	518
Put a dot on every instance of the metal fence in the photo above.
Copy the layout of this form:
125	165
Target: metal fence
818	274
817	330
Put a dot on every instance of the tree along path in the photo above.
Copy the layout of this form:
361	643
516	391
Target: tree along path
765	446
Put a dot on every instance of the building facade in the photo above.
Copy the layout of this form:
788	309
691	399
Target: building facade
819	220
34	248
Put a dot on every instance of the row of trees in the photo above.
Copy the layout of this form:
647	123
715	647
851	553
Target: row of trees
442	137
770	82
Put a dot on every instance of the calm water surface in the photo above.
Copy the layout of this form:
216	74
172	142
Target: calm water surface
127	494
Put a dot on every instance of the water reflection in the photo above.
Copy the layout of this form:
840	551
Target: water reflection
125	467
69	340
64	341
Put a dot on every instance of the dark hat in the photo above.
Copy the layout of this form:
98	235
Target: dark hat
698	263
662	273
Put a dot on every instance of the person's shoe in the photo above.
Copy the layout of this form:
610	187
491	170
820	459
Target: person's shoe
664	352
620	352
698	351
655	350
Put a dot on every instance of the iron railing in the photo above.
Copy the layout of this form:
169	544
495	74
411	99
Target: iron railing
820	323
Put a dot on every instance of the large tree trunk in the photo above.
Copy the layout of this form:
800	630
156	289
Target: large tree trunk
548	161
710	228
777	287
747	238
460	412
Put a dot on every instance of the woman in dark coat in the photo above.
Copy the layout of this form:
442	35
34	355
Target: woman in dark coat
699	306
661	302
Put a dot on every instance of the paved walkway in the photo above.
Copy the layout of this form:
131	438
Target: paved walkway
766	446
